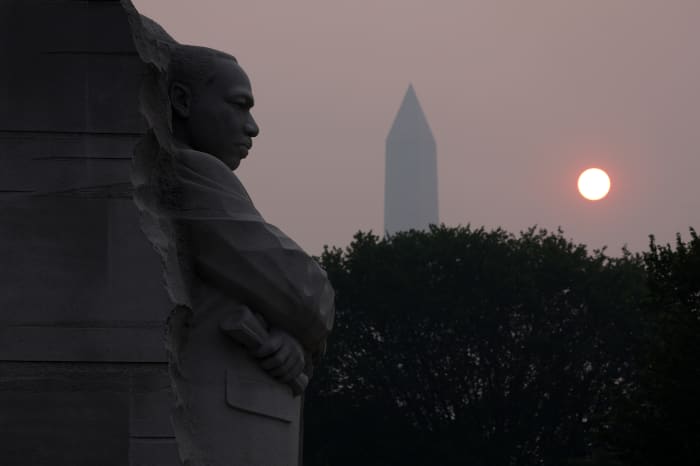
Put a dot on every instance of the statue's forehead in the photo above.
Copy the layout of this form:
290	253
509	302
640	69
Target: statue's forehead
230	77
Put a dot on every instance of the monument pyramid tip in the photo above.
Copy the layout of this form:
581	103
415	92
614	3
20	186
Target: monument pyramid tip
410	121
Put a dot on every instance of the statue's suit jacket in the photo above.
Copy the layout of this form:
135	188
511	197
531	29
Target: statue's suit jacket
219	254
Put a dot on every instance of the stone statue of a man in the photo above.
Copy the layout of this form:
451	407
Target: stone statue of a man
252	308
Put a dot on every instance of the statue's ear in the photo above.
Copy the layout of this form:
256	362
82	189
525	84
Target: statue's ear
180	99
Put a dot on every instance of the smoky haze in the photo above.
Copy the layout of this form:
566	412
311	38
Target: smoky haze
520	96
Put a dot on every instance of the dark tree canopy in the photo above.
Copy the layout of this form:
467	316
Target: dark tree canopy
659	422
467	346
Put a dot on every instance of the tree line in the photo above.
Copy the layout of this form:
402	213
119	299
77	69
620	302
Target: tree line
462	346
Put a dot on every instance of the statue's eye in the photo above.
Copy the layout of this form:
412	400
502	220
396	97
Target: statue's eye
241	103
237	103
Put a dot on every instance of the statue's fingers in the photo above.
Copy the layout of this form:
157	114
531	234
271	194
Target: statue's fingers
296	369
262	351
271	363
275	360
268	348
282	372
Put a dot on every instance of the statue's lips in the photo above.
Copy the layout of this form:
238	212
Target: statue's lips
244	148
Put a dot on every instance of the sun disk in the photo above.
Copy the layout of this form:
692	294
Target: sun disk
594	184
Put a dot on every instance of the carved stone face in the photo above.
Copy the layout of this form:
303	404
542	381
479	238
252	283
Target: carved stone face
215	117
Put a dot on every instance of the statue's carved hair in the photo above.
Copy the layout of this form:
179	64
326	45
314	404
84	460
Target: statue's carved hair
192	65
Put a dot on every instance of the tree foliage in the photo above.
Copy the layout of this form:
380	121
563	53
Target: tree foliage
659	422
467	346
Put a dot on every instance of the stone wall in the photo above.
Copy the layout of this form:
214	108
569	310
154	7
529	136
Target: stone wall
82	307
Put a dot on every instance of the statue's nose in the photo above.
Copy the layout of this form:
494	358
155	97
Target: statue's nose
251	127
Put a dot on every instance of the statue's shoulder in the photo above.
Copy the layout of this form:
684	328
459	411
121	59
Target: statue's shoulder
204	164
196	160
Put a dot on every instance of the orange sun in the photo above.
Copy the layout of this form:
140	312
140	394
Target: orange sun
594	184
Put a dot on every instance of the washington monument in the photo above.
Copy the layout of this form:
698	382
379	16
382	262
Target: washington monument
410	190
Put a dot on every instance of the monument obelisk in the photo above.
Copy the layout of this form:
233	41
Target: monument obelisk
410	196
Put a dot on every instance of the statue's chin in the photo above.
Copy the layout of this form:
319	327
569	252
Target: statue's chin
233	162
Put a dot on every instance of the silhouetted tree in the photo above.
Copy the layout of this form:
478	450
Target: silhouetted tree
658	423
467	346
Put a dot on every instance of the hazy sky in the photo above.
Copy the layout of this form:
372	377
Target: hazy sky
521	97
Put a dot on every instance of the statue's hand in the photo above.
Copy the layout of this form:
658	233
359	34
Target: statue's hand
281	355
